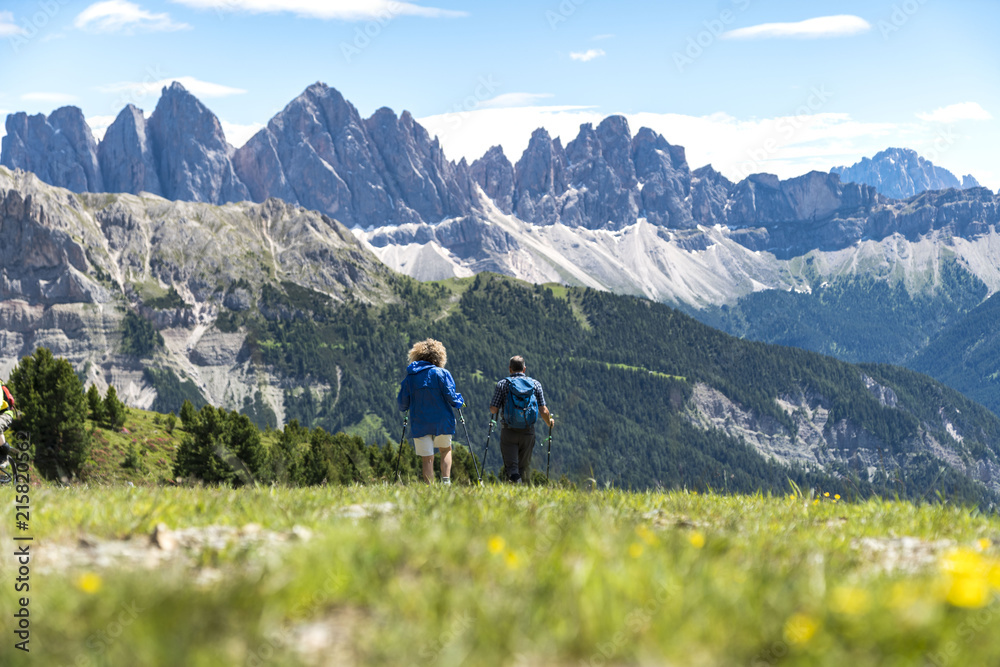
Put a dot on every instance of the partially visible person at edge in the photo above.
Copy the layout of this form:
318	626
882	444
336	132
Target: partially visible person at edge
428	392
6	417
518	444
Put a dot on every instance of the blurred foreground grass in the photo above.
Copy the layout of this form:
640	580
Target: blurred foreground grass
504	576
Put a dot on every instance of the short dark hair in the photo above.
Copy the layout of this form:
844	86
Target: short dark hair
517	364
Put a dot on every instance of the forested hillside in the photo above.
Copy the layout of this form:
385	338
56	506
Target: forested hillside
966	355
856	318
620	373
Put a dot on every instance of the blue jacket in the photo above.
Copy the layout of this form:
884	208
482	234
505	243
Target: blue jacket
428	392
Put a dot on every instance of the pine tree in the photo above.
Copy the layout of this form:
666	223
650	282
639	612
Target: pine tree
188	415
223	447
96	405
54	408
114	409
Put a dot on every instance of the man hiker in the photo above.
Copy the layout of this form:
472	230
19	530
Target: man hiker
518	399
428	392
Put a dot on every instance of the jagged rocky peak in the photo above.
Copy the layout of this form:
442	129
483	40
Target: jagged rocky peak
901	173
495	175
539	179
191	152
383	170
764	199
126	156
60	149
969	182
605	178
709	193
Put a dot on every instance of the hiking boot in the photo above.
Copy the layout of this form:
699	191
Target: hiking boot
446	480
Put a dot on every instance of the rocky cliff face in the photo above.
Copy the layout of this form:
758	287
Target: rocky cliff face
820	443
60	149
901	173
71	265
191	152
128	161
495	174
320	153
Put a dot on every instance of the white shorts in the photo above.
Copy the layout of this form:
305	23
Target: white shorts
425	444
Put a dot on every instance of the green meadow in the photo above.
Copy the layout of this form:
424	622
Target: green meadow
498	575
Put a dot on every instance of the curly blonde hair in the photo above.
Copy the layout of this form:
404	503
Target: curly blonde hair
429	350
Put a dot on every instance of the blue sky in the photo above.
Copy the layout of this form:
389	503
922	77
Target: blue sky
749	85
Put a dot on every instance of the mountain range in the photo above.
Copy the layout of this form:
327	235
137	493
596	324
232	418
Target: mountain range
775	260
283	314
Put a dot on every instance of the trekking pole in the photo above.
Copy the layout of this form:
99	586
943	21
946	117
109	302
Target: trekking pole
548	456
474	462
486	452
399	455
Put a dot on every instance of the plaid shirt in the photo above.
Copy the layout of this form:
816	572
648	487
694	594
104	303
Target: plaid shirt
500	393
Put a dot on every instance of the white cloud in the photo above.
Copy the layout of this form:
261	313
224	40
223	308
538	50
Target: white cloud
842	25
7	26
513	100
99	125
237	134
50	98
344	10
139	89
588	55
956	112
127	17
787	145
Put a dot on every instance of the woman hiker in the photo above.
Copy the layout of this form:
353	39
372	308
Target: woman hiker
428	392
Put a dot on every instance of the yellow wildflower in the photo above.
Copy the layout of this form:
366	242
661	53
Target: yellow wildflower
89	582
968	578
513	560
850	601
496	544
646	535
697	540
635	550
826	495
800	628
836	496
983	544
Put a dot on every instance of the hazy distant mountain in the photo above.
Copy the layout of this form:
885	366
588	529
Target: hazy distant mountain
900	173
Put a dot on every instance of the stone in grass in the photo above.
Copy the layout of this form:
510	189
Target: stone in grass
365	510
163	537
